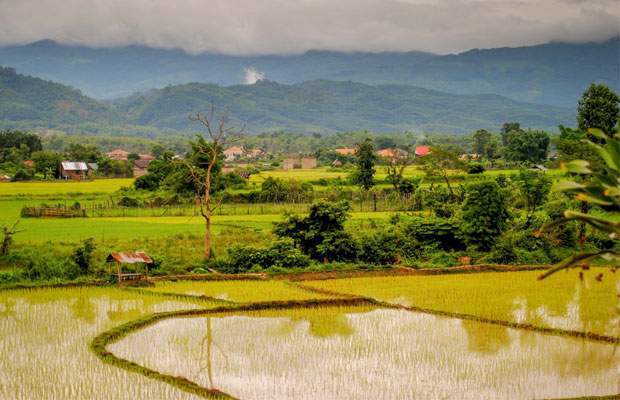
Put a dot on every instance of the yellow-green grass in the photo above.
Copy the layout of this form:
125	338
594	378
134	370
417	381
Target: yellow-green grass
45	337
238	291
562	301
361	352
54	188
75	229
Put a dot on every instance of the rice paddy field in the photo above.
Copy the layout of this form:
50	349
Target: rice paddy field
255	339
561	301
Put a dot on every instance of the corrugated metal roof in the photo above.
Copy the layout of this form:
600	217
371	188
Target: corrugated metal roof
74	166
130	257
93	165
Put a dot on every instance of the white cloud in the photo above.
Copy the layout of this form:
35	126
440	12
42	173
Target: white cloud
252	76
294	26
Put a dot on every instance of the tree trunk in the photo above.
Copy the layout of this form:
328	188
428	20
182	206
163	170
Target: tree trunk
207	253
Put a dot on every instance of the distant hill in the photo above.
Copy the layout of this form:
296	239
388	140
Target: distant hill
120	71
313	106
554	73
24	98
329	106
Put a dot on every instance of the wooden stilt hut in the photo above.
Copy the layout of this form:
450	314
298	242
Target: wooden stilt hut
136	258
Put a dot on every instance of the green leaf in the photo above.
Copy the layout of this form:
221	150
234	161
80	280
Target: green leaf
577	166
564	186
570	261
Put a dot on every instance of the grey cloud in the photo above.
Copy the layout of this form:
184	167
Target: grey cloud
293	26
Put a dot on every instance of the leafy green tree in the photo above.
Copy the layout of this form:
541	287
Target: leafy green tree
80	152
321	235
395	169
133	156
481	139
485	213
158	150
442	163
527	146
273	189
598	108
47	163
366	159
533	188
492	149
603	189
15	139
508	127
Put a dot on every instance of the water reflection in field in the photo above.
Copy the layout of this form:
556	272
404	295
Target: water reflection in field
366	353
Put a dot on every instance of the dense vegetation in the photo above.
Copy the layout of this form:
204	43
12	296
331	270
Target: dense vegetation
315	106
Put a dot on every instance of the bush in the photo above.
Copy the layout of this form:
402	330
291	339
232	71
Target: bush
435	233
475	168
128	202
82	256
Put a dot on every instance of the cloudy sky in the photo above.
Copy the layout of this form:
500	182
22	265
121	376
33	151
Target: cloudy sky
294	26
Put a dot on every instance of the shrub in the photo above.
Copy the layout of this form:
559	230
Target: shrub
485	214
82	256
435	233
475	168
128	202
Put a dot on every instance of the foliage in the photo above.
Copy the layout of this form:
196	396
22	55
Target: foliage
321	235
82	255
598	108
475	168
485	213
435	233
47	163
366	160
527	146
602	189
7	237
534	188
281	254
508	127
439	162
15	139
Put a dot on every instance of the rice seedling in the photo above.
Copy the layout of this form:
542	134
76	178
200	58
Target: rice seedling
238	291
44	343
363	352
564	302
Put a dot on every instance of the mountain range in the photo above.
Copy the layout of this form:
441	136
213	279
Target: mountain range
313	106
553	73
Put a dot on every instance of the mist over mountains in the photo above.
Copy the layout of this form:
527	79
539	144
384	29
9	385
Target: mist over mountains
553	73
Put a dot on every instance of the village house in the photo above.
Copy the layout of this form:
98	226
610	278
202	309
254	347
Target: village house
336	163
120	155
290	163
345	152
421	151
146	157
140	167
5	178
74	170
255	153
466	157
233	153
308	162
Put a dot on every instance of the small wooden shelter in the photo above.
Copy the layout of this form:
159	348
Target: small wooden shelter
135	258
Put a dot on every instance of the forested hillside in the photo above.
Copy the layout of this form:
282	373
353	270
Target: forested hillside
554	73
329	106
24	98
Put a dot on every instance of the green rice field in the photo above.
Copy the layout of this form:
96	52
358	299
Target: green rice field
284	344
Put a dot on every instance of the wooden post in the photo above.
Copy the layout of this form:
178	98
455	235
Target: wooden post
118	271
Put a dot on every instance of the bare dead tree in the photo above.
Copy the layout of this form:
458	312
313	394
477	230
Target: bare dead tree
396	167
219	135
